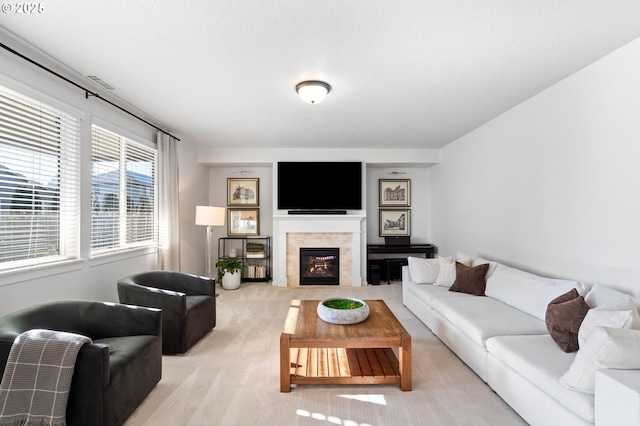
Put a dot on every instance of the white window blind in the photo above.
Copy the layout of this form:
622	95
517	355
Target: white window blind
39	182
121	170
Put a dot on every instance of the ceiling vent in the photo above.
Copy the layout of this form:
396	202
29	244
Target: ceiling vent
103	83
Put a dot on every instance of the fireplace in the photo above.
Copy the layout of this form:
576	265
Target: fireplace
319	266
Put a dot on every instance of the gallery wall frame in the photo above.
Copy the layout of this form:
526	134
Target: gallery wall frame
243	222
395	222
243	191
394	193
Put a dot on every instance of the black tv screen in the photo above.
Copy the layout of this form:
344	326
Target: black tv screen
309	185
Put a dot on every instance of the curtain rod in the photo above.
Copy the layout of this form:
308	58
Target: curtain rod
87	92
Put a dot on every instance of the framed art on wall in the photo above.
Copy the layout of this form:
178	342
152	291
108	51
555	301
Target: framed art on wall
396	222
394	192
243	192
243	222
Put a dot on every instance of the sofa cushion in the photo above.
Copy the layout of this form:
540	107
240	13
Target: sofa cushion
539	360
480	318
426	293
446	271
525	291
423	271
564	316
606	347
470	279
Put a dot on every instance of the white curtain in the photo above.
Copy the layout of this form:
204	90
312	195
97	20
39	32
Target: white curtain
168	213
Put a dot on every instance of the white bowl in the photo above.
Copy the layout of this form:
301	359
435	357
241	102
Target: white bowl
343	316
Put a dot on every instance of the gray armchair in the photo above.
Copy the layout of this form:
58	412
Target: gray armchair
188	304
115	372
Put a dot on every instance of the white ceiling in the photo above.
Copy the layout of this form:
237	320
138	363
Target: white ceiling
404	74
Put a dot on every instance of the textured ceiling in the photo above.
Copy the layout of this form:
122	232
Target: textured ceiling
406	74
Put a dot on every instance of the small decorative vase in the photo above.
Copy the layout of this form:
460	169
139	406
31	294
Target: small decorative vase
231	281
343	316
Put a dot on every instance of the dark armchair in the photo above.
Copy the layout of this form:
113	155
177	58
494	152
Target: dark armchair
188	304
115	372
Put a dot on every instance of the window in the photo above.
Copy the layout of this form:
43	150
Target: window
39	182
123	208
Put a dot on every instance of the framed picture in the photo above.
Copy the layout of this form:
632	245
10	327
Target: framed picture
243	192
395	192
243	222
396	222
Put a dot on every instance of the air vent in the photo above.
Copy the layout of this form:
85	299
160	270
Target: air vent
101	82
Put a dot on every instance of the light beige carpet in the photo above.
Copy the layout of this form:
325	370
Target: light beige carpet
231	377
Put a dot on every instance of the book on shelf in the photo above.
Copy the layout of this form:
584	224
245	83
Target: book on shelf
255	271
256	255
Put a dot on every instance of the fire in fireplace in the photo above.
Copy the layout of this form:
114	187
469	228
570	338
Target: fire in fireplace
319	266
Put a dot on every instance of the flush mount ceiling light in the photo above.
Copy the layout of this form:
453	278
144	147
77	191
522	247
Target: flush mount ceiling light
313	91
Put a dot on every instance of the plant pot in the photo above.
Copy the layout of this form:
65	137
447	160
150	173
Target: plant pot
231	281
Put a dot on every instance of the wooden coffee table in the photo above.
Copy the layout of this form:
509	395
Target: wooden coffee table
313	351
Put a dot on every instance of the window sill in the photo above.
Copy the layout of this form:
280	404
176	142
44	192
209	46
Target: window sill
120	255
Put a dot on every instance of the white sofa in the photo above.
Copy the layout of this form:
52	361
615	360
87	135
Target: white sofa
504	339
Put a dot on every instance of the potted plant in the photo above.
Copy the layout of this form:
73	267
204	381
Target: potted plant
229	271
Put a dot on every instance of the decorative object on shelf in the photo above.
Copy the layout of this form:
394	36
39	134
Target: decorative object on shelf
394	192
313	91
343	310
243	192
209	216
395	222
243	222
229	272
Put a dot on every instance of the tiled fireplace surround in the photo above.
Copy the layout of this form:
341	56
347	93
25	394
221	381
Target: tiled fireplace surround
294	231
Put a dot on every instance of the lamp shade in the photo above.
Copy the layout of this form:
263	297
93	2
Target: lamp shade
312	91
210	216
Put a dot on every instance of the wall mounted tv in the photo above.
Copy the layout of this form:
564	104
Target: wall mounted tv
308	187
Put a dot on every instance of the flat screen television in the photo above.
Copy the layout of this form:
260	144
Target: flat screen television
319	186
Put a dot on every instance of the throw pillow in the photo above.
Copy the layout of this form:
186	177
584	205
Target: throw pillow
470	279
564	316
604	318
601	294
606	348
423	271
480	261
446	271
464	258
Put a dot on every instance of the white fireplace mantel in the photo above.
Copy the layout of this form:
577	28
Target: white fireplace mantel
300	224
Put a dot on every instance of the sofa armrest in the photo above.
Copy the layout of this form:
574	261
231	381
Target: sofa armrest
406	276
617	397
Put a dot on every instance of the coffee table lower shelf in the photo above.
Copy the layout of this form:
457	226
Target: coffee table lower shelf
344	366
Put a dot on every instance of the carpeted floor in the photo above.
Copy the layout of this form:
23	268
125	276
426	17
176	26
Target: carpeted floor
231	377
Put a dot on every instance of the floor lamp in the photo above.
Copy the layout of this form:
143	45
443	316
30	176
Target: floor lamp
209	216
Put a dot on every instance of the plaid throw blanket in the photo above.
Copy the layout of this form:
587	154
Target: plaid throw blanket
35	385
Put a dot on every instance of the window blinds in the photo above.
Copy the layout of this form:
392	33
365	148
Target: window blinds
39	182
123	192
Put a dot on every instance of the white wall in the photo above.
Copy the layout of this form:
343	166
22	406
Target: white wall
553	184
